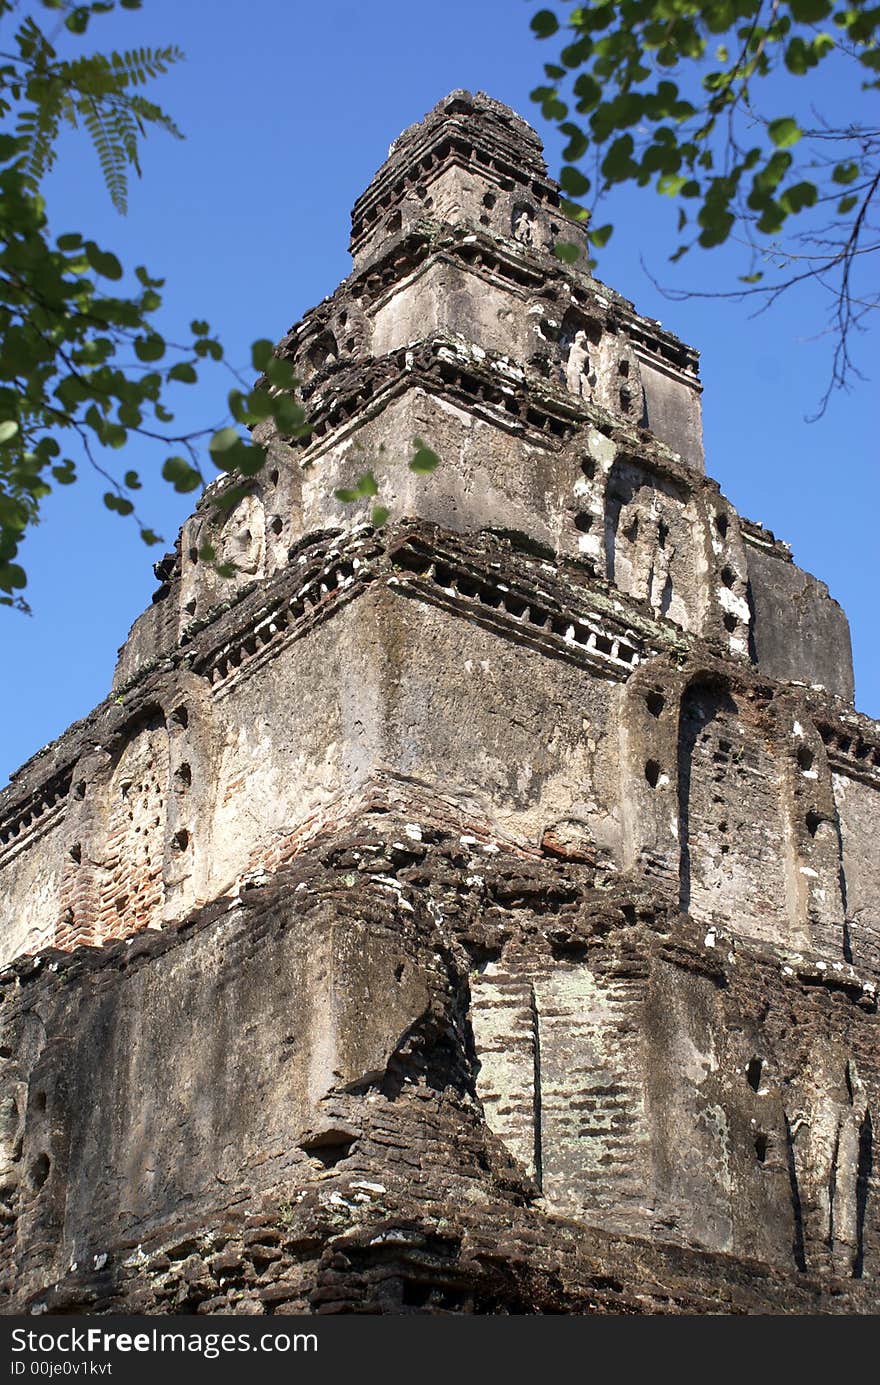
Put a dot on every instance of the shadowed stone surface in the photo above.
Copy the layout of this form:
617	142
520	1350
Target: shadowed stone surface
474	915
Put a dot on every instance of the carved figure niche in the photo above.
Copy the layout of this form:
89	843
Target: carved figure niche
242	539
322	352
131	888
833	1143
731	825
649	542
578	348
523	223
240	542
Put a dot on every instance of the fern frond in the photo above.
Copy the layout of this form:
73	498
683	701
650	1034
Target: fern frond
151	114
38	125
110	155
137	66
126	129
98	90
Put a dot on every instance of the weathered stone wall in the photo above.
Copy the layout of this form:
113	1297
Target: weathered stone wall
571	722
329	1042
473	914
856	803
799	631
734	848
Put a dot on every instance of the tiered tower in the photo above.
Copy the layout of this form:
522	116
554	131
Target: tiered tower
477	914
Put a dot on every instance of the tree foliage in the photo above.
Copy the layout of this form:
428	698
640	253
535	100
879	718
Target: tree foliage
83	366
702	102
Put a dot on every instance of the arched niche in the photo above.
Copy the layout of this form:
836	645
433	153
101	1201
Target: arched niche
130	844
652	536
578	348
242	538
734	846
522	223
239	543
323	351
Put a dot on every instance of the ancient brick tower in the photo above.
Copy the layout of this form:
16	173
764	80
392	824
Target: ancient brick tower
477	915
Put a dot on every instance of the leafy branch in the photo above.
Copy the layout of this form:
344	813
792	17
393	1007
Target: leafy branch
79	361
684	96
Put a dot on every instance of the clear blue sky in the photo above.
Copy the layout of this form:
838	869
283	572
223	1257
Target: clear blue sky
288	111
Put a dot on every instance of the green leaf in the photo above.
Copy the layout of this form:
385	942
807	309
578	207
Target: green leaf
230	452
567	252
588	92
424	460
785	132
554	109
544	23
223	441
199	328
618	162
574	211
102	261
772	218
845	173
132	480
8	429
11	576
260	405
118	503
184	372
151	348
600	236
206	346
379	516
810	11
367	484
578	142
280	373
77	21
799	196
182	476
261	353
572	181
846	204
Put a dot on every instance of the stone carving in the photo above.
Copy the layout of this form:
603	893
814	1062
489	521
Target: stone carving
523	226
833	1140
650	543
578	368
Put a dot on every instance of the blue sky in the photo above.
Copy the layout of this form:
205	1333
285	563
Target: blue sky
288	111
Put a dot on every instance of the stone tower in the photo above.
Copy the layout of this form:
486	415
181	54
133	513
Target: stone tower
476	914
